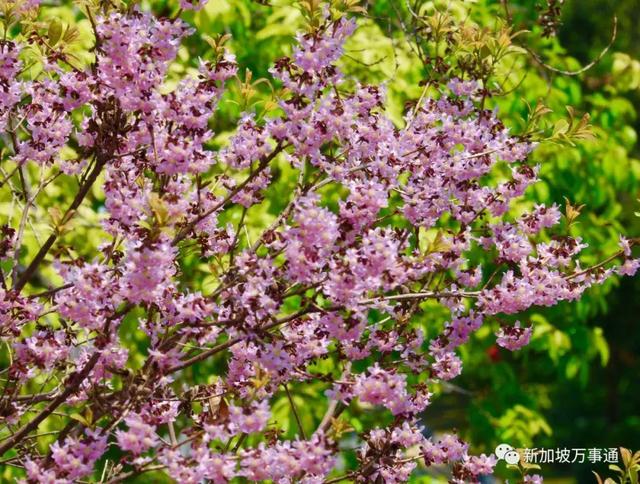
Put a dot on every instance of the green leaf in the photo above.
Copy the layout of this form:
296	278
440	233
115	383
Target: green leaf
601	345
55	31
81	419
561	127
616	468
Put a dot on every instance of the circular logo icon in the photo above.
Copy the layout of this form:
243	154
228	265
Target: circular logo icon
502	449
512	457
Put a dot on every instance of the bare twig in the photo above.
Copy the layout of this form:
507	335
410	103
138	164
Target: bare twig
585	68
294	410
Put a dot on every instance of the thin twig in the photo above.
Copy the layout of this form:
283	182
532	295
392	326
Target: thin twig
82	193
295	411
585	68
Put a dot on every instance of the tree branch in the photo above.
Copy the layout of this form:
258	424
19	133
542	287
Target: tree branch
82	193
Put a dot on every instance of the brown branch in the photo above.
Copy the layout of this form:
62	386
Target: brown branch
596	266
74	382
50	292
34	398
228	344
82	193
133	473
262	165
585	68
422	295
295	411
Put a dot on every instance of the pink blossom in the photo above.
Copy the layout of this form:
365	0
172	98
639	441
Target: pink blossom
252	419
447	366
625	245
149	268
192	4
534	479
139	436
513	337
629	267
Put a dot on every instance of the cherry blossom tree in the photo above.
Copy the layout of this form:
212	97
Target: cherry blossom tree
329	295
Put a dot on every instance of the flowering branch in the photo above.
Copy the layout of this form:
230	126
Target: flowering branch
382	218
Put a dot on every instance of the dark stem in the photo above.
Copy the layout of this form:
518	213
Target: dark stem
72	386
263	164
82	193
295	411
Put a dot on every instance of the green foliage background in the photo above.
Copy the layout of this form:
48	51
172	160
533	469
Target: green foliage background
576	385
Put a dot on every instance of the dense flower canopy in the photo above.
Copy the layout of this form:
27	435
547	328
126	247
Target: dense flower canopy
424	215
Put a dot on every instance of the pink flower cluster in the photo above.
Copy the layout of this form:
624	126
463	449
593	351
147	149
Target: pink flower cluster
74	459
513	337
139	436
